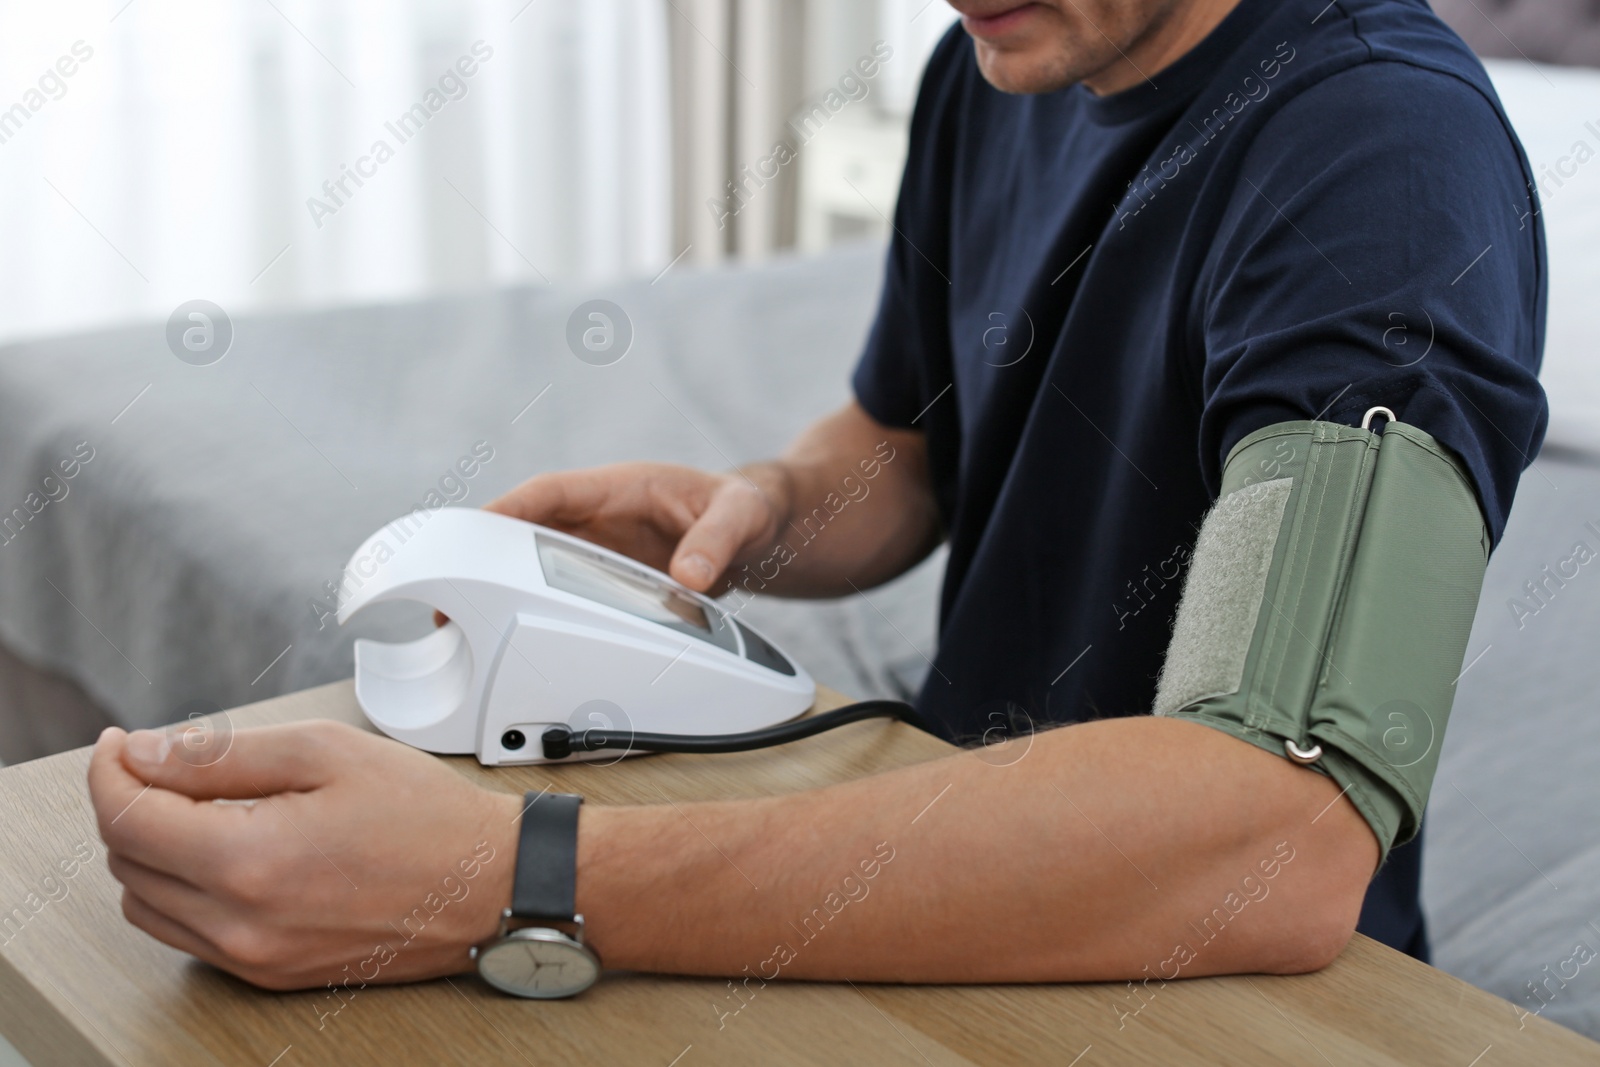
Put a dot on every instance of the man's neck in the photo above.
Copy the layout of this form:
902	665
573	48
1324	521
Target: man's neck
1165	42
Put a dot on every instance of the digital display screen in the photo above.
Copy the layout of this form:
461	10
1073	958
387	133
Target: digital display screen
589	574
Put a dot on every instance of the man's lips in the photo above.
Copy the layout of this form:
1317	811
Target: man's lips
999	23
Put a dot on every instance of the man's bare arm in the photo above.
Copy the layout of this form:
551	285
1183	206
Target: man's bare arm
893	525
1102	851
1107	848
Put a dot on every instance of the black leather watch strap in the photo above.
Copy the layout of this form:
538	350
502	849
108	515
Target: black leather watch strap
546	884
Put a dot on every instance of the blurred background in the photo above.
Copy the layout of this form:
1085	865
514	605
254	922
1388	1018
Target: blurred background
179	157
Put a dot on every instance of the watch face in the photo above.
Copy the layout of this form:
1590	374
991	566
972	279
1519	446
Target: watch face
541	963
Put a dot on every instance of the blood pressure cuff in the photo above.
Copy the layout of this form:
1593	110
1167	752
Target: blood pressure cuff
1327	608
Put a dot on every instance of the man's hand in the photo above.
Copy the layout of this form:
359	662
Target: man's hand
849	505
351	859
690	523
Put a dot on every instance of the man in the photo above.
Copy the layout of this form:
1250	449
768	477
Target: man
1211	235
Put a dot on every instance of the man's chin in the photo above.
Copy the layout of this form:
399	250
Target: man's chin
1014	70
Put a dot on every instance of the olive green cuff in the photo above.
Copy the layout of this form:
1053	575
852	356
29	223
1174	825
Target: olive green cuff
1328	606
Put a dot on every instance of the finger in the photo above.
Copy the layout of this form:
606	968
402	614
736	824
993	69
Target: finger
112	789
155	808
169	894
558	498
158	828
737	514
170	931
248	765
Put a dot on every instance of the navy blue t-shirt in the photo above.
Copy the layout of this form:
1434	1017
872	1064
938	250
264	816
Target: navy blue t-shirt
1089	300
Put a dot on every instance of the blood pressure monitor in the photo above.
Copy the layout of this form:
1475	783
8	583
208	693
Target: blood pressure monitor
548	631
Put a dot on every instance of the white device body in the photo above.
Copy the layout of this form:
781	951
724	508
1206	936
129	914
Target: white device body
548	630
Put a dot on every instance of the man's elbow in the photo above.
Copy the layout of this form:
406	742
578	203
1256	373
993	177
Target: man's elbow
1315	943
1306	932
1318	912
1310	909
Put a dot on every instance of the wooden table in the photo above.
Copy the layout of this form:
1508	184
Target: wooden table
80	986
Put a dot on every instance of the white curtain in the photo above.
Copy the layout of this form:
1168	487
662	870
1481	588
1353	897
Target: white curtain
181	156
742	69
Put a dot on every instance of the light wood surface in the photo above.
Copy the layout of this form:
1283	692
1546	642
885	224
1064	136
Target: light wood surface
78	986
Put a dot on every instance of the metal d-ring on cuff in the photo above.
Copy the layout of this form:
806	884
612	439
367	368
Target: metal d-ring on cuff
1366	420
1302	756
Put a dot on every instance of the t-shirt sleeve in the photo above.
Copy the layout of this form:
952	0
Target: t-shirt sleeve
908	346
1381	246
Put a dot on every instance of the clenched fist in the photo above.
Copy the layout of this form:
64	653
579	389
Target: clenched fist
307	854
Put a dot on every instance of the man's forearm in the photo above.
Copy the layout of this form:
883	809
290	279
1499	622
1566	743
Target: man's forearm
1147	848
1099	853
856	508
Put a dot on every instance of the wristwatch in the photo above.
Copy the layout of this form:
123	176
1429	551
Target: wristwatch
539	951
